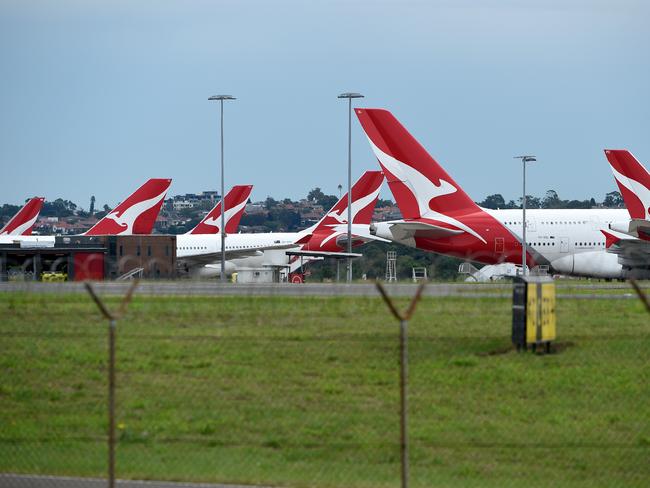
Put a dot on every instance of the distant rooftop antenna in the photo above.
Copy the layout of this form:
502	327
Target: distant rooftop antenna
391	267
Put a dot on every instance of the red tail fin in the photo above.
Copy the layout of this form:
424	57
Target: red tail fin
633	180
137	214
235	202
417	181
23	222
365	193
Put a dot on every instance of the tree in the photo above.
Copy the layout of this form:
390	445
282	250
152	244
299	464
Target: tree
613	200
384	203
59	208
91	209
270	203
531	202
495	201
328	201
552	200
315	195
8	210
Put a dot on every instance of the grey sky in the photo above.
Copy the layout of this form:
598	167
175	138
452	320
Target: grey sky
98	96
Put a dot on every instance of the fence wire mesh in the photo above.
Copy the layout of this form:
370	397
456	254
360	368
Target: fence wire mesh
269	389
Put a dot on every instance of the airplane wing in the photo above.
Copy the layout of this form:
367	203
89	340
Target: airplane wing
406	230
360	232
324	254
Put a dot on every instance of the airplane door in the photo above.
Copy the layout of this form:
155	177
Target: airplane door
498	245
564	244
531	225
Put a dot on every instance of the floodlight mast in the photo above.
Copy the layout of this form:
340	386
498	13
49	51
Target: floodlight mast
222	229
524	159
350	96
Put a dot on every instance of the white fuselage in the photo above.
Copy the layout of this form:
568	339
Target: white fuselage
570	240
188	245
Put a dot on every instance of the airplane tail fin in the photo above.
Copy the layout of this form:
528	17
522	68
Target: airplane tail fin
365	193
633	180
235	203
422	188
23	222
137	214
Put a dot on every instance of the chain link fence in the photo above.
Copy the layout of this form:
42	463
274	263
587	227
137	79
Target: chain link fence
264	388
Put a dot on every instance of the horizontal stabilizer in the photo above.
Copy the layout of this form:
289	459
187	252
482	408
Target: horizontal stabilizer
406	230
325	254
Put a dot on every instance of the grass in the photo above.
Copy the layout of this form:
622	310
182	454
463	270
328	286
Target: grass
303	392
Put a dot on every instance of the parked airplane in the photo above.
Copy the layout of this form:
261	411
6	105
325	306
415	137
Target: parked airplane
235	203
440	217
135	215
23	222
326	238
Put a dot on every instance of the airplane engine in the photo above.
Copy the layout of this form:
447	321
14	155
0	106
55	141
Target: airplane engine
597	264
213	270
623	226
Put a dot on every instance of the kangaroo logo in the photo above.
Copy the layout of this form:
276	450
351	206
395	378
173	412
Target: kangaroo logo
126	218
215	220
357	205
637	188
422	188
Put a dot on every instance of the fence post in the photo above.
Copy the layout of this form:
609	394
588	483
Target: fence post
403	376
112	328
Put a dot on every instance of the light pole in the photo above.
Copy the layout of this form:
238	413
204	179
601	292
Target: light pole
222	229
350	96
524	160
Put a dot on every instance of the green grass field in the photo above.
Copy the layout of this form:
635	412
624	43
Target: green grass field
304	392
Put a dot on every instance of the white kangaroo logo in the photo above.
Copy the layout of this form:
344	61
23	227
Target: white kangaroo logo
636	187
127	218
422	188
215	221
357	205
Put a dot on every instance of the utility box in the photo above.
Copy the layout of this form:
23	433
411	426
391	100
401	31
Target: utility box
533	312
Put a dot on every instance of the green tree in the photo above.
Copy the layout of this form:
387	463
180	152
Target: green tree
613	199
495	201
270	203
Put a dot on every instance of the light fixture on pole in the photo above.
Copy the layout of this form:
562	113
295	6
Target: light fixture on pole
350	96
222	226
524	159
